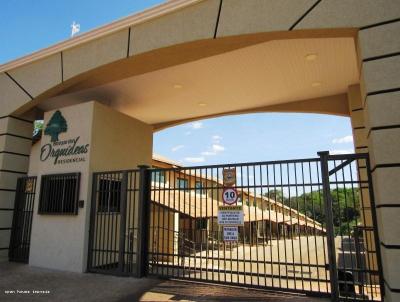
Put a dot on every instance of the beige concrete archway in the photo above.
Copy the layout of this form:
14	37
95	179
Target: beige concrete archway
188	33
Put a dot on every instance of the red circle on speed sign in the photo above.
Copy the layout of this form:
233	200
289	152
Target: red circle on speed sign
230	195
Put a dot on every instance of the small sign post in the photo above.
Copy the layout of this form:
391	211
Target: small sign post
230	215
229	177
231	233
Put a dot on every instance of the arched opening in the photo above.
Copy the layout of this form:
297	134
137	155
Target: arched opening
280	200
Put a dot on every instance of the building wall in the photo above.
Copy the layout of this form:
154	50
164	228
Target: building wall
115	141
57	240
119	142
34	161
379	103
162	234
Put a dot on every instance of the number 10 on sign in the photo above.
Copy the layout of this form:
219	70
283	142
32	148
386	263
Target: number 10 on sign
229	196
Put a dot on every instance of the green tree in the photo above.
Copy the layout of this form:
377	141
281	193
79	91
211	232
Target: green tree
345	207
38	125
55	126
276	195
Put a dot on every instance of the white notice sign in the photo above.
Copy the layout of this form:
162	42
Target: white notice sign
230	215
231	233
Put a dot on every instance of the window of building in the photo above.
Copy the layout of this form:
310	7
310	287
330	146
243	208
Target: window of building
182	183
59	194
109	195
158	177
201	224
199	187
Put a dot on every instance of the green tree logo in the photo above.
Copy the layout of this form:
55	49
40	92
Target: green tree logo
55	126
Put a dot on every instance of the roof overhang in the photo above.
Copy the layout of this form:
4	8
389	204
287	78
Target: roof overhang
147	67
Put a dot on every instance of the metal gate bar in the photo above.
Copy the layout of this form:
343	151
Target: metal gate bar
22	220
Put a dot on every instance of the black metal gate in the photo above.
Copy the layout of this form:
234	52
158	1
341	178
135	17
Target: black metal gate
118	212
309	226
354	254
22	220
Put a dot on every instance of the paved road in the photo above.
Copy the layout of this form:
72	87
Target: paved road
77	287
294	264
297	264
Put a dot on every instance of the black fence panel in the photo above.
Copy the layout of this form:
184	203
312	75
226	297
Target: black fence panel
309	225
356	243
22	220
113	244
278	245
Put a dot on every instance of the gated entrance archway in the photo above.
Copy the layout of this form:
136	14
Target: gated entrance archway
128	58
309	226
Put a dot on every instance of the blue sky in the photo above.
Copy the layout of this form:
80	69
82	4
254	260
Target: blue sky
30	25
254	137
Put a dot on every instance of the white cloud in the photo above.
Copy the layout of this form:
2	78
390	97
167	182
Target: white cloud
208	153
216	139
343	140
341	151
214	150
195	159
75	28
176	148
217	148
196	125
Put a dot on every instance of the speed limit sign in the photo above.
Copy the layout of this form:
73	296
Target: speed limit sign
229	195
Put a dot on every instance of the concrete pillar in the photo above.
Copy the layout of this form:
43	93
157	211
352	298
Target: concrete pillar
356	108
380	92
15	145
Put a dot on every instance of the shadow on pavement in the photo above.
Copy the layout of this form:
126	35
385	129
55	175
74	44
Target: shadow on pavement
173	290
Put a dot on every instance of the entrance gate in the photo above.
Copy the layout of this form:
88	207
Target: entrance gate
309	226
22	220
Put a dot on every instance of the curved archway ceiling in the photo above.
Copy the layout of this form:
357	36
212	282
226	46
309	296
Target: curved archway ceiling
270	73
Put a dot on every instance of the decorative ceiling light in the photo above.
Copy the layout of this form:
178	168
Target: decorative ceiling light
178	86
316	84
201	104
311	57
